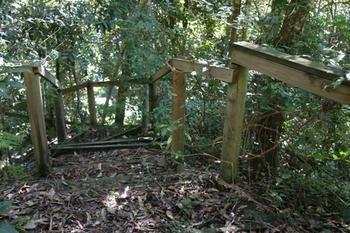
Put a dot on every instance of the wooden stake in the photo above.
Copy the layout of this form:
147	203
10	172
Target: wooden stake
60	123
233	125
146	109
92	105
152	97
178	135
37	121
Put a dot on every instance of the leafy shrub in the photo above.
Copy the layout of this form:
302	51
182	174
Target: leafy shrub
9	141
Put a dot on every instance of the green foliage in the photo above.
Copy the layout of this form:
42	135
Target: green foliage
18	172
188	205
6	228
5	207
9	141
124	40
318	185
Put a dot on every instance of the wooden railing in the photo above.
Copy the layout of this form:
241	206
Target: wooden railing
89	87
32	75
293	70
180	69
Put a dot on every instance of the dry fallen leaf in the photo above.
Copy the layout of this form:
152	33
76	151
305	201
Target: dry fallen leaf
30	225
169	214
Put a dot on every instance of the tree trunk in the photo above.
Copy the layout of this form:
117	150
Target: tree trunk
120	105
272	125
76	77
105	107
234	25
294	22
2	114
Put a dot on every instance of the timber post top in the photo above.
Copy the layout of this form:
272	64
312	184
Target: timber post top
37	69
292	61
186	66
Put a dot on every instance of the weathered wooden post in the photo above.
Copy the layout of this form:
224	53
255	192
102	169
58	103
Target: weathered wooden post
152	100
146	109
152	96
37	121
60	123
178	115
233	125
91	103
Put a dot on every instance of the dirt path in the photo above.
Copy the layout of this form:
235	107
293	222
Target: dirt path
136	190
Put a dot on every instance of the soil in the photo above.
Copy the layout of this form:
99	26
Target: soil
141	190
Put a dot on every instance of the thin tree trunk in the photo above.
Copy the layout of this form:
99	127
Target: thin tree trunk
234	25
2	114
110	90
292	28
76	78
246	11
105	107
120	105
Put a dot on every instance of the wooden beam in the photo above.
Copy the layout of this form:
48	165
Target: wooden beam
103	147
118	141
43	72
99	84
106	83
295	71
130	131
118	83
152	96
74	88
152	101
233	125
36	69
291	61
15	69
220	73
161	73
178	114
37	121
60	122
92	104
146	109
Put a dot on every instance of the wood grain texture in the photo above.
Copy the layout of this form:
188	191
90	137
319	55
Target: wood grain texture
161	73
233	125
44	73
178	114
74	88
291	61
92	104
308	81
215	72
36	69
37	121
60	121
146	109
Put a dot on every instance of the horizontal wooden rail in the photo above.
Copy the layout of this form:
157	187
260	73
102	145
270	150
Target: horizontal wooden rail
293	70
99	84
74	88
43	72
161	73
32	75
35	69
221	73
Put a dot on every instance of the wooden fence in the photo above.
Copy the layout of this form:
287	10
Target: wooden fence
32	75
293	70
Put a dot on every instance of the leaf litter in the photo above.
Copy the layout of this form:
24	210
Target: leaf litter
139	190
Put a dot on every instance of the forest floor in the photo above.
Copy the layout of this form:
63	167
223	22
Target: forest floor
140	190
